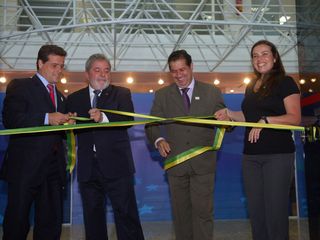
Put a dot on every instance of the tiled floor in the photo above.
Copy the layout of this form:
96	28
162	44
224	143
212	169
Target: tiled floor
223	230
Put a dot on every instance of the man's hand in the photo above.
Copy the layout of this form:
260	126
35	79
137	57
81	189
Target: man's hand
57	118
72	121
163	148
222	115
95	115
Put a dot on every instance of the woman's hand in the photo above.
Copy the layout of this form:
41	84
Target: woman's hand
254	135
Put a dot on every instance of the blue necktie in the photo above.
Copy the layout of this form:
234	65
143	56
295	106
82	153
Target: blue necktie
95	98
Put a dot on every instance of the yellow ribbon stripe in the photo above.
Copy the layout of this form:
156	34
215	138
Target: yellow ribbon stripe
71	141
190	119
130	114
242	124
221	127
69	127
182	157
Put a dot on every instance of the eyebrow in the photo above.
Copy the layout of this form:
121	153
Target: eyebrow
257	53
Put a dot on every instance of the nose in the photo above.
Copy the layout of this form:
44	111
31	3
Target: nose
179	74
59	68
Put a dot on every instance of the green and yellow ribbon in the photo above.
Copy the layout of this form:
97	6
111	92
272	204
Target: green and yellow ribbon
220	131
169	163
71	142
184	156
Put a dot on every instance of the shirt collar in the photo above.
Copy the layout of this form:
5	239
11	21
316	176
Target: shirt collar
190	86
43	80
91	89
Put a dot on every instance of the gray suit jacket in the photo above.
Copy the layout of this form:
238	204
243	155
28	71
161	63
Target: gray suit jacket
168	102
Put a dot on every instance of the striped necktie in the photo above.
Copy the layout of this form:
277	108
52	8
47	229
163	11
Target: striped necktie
186	99
51	92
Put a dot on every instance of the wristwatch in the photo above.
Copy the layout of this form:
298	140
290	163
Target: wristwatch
265	119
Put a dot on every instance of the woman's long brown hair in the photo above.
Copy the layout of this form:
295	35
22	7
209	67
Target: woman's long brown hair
276	74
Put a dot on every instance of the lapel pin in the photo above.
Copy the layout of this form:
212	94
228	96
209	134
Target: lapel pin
197	98
61	99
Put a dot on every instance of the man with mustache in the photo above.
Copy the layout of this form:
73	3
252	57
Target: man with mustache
105	163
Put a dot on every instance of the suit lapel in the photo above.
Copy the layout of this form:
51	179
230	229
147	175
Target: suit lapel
177	98
105	96
60	101
86	98
42	90
196	99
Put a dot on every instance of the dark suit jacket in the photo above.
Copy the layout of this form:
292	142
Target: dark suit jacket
168	102
25	105
112	145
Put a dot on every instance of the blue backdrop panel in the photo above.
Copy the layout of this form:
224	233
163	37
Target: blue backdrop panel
151	185
3	146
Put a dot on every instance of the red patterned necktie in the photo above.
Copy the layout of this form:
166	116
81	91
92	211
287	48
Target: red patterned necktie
51	92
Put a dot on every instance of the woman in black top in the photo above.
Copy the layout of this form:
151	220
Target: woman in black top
268	162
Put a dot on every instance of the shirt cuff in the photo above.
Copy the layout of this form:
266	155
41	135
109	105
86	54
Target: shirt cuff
104	118
156	142
46	119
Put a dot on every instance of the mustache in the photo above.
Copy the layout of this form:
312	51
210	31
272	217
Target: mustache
102	79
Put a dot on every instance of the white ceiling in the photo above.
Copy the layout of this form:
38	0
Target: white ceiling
139	35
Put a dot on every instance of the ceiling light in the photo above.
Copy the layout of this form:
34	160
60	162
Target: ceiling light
310	90
66	90
313	79
151	91
216	82
232	91
129	80
3	79
63	80
246	81
283	19
302	81
160	81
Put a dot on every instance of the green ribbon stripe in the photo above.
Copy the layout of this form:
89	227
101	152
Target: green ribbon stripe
71	142
182	157
190	119
70	127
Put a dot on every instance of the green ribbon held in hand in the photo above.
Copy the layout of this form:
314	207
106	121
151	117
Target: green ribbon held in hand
169	163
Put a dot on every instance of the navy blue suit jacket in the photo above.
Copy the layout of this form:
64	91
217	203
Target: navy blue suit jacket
113	150
25	105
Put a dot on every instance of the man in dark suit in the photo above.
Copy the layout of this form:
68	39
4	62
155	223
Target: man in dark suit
105	163
34	164
191	183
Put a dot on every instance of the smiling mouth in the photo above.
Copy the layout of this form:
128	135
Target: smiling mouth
181	80
102	80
